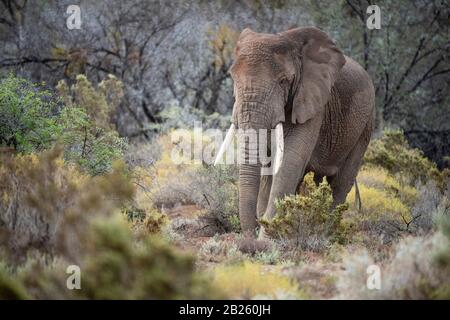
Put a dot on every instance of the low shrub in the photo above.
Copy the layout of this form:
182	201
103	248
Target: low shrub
155	221
309	220
392	208
218	250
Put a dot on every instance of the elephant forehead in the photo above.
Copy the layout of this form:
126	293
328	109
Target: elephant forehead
258	63
264	45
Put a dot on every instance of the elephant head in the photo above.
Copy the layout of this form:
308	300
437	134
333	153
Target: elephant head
279	78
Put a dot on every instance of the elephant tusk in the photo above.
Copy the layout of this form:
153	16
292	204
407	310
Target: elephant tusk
279	140
226	143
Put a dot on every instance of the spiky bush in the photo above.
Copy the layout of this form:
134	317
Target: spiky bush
309	220
391	208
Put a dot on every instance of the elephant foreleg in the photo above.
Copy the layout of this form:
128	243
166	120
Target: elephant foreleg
299	145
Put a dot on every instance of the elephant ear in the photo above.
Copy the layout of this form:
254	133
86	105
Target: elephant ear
247	32
321	62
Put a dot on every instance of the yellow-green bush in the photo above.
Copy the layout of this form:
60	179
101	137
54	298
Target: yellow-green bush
249	280
379	178
99	103
393	153
391	205
309	219
377	203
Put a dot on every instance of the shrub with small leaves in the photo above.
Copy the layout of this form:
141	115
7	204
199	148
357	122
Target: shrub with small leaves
309	220
89	137
28	115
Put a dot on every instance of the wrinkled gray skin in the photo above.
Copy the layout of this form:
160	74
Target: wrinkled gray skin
325	101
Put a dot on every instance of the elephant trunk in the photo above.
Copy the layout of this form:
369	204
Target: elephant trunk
250	121
249	178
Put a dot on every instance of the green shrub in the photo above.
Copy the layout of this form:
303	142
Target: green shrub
28	115
32	119
89	137
309	220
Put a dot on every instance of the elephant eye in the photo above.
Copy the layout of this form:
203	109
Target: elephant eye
283	80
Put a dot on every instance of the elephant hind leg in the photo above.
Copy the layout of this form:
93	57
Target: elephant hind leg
343	181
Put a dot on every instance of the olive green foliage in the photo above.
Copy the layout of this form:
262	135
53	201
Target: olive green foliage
32	119
393	153
309	219
134	213
28	115
89	137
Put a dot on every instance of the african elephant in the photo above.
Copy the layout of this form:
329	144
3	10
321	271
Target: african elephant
319	101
